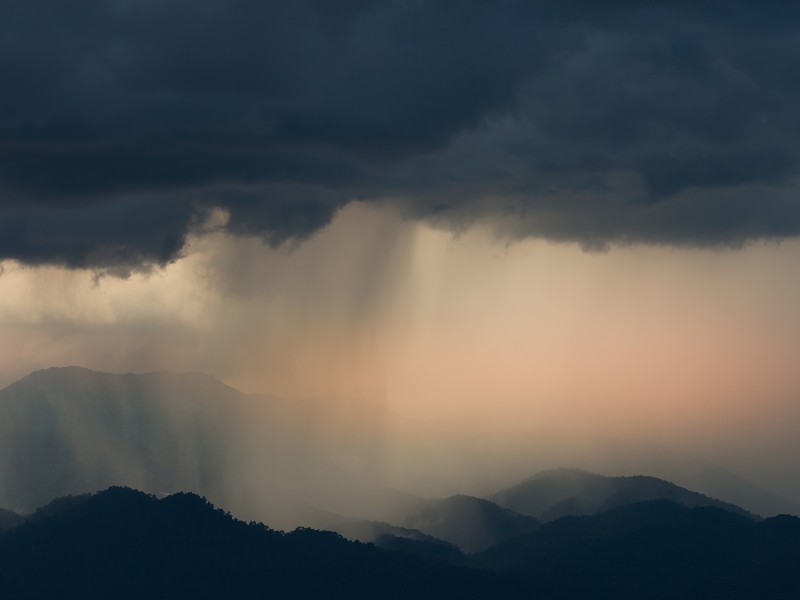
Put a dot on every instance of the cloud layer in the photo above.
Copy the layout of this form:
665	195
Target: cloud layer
123	123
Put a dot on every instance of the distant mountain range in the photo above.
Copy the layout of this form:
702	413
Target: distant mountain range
656	549
559	534
69	431
125	544
472	524
556	493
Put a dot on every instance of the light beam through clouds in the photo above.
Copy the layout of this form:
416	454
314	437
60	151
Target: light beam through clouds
521	344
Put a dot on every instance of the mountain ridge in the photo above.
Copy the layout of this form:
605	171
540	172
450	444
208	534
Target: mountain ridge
473	524
124	543
554	493
71	430
99	545
656	549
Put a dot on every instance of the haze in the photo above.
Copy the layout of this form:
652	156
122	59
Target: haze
537	234
518	356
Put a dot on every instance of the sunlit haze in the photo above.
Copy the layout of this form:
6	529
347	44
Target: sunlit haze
541	354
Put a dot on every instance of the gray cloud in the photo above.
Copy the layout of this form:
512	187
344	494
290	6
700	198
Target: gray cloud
122	122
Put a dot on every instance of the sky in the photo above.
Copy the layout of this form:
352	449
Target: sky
562	217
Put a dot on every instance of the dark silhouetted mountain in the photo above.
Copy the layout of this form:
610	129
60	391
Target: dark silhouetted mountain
472	524
368	531
9	519
560	492
384	534
657	549
430	548
126	544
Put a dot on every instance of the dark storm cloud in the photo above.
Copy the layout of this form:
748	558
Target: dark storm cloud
115	235
122	121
